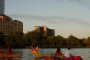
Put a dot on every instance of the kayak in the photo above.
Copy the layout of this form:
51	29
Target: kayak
33	51
38	55
70	58
10	55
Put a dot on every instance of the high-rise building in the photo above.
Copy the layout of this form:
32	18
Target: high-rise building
2	6
45	31
17	26
5	24
8	26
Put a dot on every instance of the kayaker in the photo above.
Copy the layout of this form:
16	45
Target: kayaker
9	51
58	52
34	50
69	52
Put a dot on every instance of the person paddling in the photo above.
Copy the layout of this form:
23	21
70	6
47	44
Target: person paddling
9	51
69	52
34	50
58	52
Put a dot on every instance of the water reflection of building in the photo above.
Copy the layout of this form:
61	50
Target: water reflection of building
8	27
45	31
2	4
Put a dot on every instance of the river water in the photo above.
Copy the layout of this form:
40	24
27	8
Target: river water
27	55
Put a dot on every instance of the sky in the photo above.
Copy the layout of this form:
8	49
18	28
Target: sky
67	17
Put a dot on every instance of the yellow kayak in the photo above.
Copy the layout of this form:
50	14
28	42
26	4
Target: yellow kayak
38	55
10	55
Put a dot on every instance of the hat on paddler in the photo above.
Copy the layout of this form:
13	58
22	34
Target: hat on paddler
69	46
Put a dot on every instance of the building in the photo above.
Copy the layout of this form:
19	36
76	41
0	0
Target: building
2	6
50	32
17	26
45	31
6	24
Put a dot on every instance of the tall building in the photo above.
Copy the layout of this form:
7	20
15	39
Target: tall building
45	31
2	6
17	26
6	24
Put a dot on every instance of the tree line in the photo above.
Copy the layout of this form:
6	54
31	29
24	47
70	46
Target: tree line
33	38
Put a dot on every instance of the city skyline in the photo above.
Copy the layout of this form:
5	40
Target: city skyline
65	16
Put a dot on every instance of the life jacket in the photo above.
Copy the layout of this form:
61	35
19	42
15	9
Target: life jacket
56	53
35	49
10	52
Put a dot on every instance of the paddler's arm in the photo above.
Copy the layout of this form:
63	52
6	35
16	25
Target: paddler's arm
60	52
6	52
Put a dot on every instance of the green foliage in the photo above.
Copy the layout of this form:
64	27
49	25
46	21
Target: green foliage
9	40
44	41
88	41
25	40
56	41
51	40
1	35
72	40
33	38
18	38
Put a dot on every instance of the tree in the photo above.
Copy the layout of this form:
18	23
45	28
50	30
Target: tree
88	41
44	40
1	34
84	42
34	38
18	38
60	41
72	40
1	38
25	40
51	40
9	40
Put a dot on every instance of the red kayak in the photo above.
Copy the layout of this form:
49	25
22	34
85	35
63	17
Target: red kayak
70	58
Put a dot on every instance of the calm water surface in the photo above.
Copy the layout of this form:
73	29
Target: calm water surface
27	55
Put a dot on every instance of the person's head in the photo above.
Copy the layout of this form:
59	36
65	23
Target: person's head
9	48
58	49
69	47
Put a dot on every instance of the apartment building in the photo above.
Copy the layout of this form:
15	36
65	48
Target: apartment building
17	26
45	31
6	24
2	6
